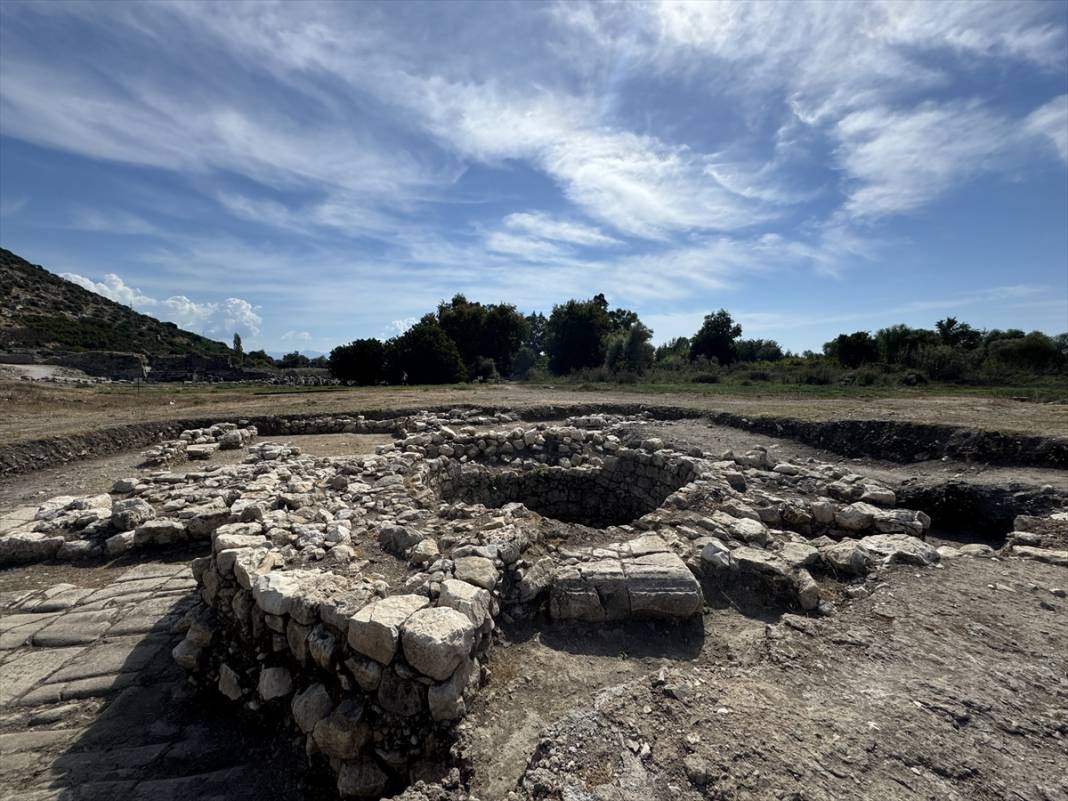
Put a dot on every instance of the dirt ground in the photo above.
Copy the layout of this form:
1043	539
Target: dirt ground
33	410
948	682
944	683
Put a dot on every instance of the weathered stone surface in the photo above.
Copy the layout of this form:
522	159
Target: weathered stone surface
447	699
204	519
342	733
477	570
856	517
28	546
275	682
364	779
130	513
847	557
310	706
401	696
437	640
1051	555
374	631
899	548
660	585
229	683
755	560
473	601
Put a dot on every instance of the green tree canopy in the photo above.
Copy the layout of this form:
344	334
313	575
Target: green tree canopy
852	350
575	334
424	354
716	338
362	361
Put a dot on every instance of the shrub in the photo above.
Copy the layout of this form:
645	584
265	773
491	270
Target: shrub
944	363
705	378
759	375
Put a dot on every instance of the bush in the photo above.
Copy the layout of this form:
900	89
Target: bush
759	375
705	378
1034	352
944	363
818	376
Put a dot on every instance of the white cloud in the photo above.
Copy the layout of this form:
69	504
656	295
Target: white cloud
900	160
529	248
547	227
220	320
1051	121
113	288
111	222
296	336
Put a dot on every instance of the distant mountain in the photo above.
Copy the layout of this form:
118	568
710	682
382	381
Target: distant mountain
40	310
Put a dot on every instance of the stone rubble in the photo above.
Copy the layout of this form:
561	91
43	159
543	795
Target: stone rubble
358	596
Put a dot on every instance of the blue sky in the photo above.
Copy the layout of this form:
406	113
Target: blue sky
306	174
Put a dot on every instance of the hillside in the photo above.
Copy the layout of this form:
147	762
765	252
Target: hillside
38	309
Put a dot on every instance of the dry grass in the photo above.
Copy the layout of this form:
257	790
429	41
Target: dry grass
35	410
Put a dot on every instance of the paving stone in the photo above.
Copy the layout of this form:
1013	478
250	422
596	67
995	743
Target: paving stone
37	740
26	670
113	656
75	628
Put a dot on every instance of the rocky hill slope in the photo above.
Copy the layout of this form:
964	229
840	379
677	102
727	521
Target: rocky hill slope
40	310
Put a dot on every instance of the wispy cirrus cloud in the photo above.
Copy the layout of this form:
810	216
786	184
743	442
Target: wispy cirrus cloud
346	164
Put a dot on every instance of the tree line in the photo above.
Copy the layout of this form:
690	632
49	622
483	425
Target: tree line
465	340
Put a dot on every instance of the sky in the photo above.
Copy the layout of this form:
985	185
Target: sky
307	174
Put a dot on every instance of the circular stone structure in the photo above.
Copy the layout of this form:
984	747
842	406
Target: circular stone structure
356	597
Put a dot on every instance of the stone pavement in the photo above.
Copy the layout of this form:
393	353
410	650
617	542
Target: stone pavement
92	705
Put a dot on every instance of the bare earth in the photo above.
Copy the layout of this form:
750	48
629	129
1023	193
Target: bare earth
948	682
33	410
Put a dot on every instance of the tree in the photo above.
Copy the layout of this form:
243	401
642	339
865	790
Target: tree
674	354
716	338
495	331
535	337
575	333
424	354
638	352
902	344
958	335
503	332
293	360
238	352
361	361
758	350
259	358
852	350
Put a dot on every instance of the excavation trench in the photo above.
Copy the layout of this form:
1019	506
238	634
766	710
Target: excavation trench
595	497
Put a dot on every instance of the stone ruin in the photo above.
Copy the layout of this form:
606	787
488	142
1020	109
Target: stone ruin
357	597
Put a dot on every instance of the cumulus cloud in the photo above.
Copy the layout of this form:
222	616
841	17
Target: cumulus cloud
213	319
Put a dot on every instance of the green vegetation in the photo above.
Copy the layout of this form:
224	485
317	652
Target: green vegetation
584	343
42	310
